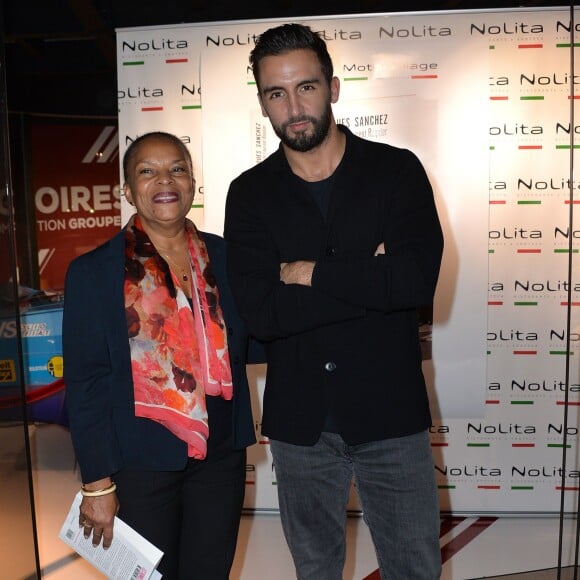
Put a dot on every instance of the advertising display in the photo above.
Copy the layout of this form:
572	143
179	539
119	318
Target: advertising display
159	90
483	98
40	327
76	193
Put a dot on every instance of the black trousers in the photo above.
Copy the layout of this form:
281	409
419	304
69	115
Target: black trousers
192	515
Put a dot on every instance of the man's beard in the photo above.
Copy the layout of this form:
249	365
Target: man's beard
305	141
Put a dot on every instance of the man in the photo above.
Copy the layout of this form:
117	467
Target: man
333	243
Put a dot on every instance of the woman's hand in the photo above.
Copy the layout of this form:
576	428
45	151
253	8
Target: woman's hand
97	514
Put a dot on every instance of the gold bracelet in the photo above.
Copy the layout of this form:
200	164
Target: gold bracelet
98	492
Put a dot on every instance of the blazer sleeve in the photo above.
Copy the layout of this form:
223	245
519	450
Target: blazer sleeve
270	308
88	372
406	275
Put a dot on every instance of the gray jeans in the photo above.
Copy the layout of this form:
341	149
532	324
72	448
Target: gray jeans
395	482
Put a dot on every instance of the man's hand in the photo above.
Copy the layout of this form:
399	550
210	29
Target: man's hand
299	272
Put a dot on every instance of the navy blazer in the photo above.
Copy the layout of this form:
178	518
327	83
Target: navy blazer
349	343
106	434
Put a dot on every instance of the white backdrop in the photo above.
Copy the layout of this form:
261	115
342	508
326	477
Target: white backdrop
482	98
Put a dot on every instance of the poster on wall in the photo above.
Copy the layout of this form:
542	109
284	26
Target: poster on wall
75	180
412	82
514	456
408	89
159	90
483	99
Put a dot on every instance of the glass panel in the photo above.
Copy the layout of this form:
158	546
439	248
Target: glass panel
18	546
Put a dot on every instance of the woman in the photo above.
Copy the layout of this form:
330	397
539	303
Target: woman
156	386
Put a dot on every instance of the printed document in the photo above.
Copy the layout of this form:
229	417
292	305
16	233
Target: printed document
130	556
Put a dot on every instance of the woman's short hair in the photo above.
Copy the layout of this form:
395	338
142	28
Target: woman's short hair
134	146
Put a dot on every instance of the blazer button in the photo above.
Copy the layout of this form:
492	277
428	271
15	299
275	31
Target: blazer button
230	331
330	251
330	366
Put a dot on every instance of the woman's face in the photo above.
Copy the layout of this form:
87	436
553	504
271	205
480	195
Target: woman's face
160	183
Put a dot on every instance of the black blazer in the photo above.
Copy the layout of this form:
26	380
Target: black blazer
349	343
99	397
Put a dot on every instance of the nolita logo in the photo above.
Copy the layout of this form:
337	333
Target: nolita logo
439	429
153	45
559	430
542	472
558	184
147	99
139	93
544	286
505	28
541	386
415	32
467	471
499	429
511	335
515	129
561	335
514	233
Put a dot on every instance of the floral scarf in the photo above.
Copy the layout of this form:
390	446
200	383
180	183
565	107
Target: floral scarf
178	355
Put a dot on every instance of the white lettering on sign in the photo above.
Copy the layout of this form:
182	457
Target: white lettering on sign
77	198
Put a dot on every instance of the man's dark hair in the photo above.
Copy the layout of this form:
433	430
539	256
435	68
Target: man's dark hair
286	38
132	149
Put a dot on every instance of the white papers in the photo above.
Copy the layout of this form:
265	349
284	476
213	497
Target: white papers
130	556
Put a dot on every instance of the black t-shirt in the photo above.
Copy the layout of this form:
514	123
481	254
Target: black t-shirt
321	192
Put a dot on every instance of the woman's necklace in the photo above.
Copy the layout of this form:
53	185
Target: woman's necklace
184	272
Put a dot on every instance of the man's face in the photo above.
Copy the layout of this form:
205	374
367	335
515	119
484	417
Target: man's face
296	98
